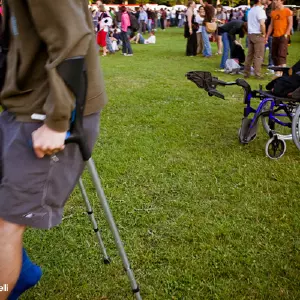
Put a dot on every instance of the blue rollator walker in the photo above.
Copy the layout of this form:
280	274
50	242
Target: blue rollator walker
74	75
273	111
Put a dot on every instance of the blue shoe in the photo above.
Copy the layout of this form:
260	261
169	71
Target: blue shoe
29	277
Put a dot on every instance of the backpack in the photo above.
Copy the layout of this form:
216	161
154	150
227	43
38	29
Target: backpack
284	85
238	52
287	84
134	24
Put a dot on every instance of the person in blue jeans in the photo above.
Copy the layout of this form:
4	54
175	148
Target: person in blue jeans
209	17
226	49
109	45
268	22
228	32
125	32
270	60
206	43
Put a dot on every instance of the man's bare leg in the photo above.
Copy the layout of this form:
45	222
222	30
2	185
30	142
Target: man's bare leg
220	44
138	36
11	243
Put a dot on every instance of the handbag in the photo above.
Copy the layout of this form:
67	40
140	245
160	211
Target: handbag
211	27
195	26
4	43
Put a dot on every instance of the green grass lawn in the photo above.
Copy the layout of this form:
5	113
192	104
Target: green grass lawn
201	216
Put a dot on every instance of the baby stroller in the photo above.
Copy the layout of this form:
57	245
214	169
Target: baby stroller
271	109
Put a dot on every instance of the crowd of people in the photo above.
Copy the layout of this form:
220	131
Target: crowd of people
268	24
116	30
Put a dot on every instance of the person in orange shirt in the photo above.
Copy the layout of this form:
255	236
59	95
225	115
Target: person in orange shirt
281	26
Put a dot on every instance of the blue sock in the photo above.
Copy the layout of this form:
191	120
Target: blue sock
29	277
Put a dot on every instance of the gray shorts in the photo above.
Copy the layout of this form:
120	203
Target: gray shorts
33	191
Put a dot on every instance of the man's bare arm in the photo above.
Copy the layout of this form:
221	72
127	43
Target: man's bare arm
270	29
189	15
263	27
290	24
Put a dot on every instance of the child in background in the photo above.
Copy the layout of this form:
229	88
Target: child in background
114	42
104	21
116	34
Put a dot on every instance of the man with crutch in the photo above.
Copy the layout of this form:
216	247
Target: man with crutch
38	170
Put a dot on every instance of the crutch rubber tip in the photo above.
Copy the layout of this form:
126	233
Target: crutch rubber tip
107	261
136	290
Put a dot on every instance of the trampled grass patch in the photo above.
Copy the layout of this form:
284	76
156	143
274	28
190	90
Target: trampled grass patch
201	216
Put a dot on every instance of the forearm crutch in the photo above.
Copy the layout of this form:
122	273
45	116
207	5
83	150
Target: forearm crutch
89	210
73	73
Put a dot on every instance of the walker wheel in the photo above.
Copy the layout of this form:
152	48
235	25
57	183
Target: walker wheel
275	148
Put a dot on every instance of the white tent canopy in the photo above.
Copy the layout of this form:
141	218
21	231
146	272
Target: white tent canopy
180	7
162	6
227	7
243	7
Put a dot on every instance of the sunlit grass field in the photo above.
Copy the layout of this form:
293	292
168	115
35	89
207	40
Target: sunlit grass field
201	216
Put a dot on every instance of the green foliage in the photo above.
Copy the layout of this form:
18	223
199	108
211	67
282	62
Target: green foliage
234	3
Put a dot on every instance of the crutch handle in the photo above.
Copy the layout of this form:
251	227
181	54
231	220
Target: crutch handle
73	72
78	139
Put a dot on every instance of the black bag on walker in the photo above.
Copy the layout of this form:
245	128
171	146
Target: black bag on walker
285	85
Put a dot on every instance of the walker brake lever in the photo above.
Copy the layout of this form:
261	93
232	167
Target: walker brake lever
216	94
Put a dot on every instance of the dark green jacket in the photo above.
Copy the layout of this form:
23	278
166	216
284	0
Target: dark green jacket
43	34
